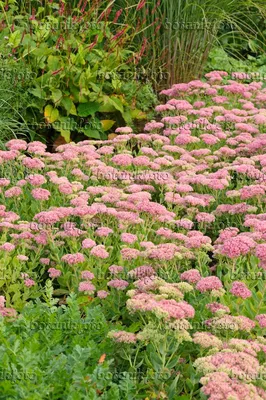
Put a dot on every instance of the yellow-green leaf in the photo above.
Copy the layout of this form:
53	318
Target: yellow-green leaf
106	108
138	114
107	124
51	114
73	110
65	134
15	38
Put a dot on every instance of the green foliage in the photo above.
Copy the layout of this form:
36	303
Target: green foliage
80	68
14	101
181	33
53	353
250	40
219	59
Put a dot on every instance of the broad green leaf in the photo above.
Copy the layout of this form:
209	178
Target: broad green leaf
82	99
51	114
82	81
107	124
117	104
95	87
15	38
127	117
53	63
69	105
92	133
110	104
106	108
72	58
89	108
66	102
156	361
56	95
173	362
42	51
19	17
44	79
253	45
172	391
28	43
65	123
34	22
38	92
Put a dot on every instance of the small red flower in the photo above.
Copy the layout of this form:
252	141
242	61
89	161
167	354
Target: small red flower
141	4
117	15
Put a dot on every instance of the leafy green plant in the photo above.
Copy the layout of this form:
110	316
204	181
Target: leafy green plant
80	65
53	353
219	59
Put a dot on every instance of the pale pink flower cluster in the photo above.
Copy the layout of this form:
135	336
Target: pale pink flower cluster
36	179
236	246
219	386
118	284
72	259
124	129
209	283
15	191
115	269
6	312
88	243
103	231
216	307
29	283
123	337
87	275
261	318
7	247
21	257
86	286
128	238
45	261
99	252
102	294
142	271
40	194
191	276
54	273
239	289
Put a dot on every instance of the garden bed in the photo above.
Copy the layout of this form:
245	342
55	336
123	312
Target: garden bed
134	268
